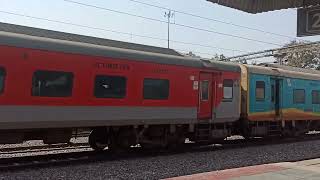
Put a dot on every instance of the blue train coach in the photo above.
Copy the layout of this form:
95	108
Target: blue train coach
279	100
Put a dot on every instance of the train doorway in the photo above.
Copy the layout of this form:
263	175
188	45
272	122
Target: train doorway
205	96
276	97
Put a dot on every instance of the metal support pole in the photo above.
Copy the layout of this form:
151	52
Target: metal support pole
169	30
168	15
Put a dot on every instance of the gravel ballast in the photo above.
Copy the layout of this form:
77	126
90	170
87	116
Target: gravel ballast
171	165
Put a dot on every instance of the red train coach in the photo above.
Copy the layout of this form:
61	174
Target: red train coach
52	83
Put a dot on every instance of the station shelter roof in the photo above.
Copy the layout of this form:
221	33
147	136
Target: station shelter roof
259	6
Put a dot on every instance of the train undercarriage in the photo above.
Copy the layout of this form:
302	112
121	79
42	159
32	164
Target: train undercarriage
173	136
163	136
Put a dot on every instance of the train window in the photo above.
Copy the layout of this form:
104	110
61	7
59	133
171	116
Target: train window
315	97
227	89
298	96
205	90
2	79
110	86
52	84
157	89
260	90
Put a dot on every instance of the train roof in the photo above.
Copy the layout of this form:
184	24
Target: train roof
18	29
221	65
282	72
290	68
35	38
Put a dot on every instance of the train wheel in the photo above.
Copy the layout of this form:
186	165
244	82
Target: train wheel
98	139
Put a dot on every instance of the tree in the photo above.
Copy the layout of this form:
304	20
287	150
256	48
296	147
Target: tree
254	63
191	54
220	57
302	57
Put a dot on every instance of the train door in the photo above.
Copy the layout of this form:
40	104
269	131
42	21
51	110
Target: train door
205	96
276	97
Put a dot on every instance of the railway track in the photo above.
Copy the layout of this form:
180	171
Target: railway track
14	157
56	155
43	148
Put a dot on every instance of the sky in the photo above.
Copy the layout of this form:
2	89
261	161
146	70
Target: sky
103	23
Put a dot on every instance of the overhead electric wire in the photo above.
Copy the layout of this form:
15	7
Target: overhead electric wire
300	46
207	46
211	19
225	34
175	24
275	52
118	32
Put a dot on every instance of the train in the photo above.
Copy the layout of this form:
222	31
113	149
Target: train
54	83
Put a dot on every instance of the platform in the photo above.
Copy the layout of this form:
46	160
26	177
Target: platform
302	170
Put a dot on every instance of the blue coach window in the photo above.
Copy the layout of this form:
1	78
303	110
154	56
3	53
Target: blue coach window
315	97
260	90
2	79
299	96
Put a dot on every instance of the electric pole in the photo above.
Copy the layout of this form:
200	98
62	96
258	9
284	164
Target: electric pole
168	15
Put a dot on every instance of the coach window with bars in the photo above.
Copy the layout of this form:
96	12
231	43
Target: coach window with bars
52	84
299	96
2	79
260	90
156	89
227	89
315	97
110	86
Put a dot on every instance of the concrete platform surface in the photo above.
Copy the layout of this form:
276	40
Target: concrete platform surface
302	170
